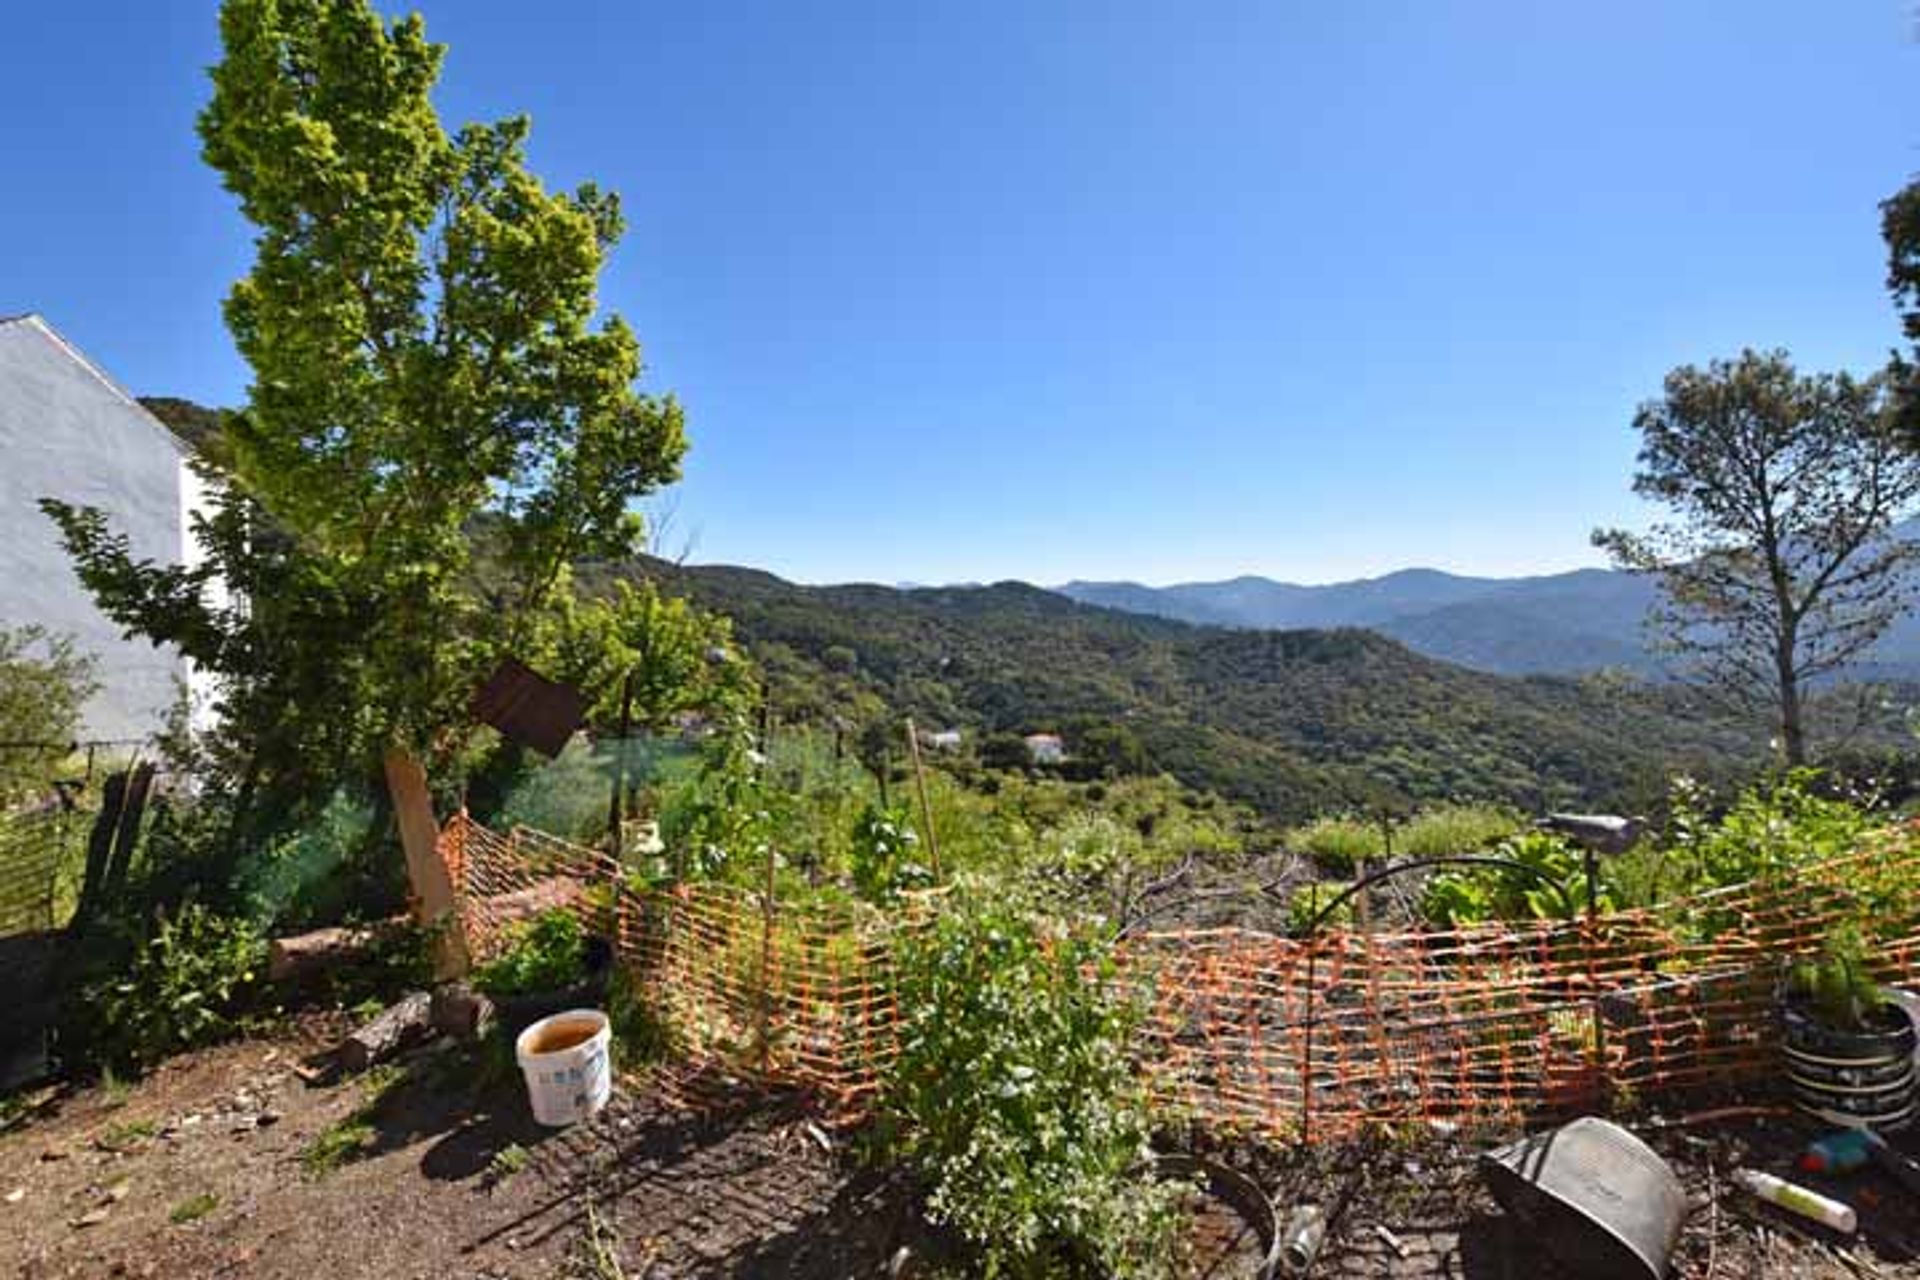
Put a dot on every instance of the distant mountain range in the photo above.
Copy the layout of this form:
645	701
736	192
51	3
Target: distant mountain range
1293	722
1557	624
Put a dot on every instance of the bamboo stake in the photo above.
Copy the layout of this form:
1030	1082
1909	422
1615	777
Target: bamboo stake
926	808
766	969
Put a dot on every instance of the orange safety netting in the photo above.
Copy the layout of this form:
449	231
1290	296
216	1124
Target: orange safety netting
1287	1037
798	993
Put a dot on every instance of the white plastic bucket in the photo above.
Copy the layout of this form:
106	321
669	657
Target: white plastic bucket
568	1062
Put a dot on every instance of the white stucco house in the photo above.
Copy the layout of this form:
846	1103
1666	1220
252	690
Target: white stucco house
69	431
1046	748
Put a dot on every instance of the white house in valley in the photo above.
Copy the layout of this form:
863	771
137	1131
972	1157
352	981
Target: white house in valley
69	431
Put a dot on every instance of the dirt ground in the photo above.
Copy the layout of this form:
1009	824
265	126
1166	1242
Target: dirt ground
204	1168
198	1170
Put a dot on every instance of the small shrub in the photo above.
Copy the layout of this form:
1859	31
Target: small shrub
546	953
187	984
1454	828
1553	887
1308	900
1838	985
506	1162
885	855
1338	843
1014	1096
1770	829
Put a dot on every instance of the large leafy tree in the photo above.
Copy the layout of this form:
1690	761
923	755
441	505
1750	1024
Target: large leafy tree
440	421
44	682
1779	565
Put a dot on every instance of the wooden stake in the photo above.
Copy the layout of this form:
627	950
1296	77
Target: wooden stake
433	898
766	968
616	814
926	808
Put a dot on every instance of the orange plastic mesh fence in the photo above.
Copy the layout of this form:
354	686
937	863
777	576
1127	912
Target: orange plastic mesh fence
800	993
1282	1036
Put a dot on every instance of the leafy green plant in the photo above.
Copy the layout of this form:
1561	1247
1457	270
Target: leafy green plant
507	1161
188	983
546	953
1552	886
1014	1097
1306	902
884	854
1838	985
1769	829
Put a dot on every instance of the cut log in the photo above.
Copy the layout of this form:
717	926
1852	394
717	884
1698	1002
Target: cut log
306	954
402	1023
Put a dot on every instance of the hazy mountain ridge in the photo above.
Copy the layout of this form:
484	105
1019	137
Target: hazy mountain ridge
1554	624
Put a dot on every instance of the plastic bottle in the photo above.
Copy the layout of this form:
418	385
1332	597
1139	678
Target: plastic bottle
1841	1152
1808	1204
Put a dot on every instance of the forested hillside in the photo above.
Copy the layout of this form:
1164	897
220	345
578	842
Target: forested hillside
1294	722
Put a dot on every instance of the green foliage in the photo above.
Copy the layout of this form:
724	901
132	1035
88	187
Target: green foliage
639	1032
354	1134
1454	828
1305	903
193	1208
1839	984
1296	724
1014	1097
1338	842
441	422
670	654
546	953
886	854
507	1161
188	983
1779	565
44	681
1770	829
1554	886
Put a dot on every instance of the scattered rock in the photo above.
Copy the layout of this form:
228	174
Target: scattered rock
267	1119
91	1218
16	1195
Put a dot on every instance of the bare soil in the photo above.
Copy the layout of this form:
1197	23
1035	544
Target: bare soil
198	1171
107	1182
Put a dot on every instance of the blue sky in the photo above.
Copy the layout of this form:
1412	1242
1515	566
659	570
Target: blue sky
1048	290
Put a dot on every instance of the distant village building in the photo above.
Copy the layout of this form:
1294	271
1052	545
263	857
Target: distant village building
69	431
1046	748
944	740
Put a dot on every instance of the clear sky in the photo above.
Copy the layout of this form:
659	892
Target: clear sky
959	291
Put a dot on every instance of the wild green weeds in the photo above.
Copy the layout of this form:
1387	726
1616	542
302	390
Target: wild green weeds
546	953
188	983
1014	1097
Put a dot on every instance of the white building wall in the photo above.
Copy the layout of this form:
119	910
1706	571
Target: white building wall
68	431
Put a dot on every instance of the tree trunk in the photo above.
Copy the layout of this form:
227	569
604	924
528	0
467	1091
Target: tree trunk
433	898
1793	730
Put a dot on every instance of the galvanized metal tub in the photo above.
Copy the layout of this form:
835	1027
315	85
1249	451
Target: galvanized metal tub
1595	1197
